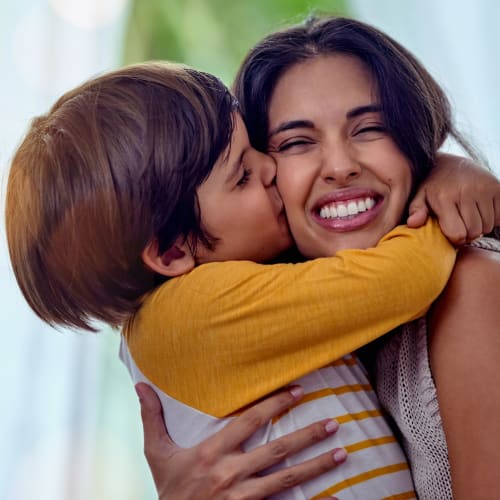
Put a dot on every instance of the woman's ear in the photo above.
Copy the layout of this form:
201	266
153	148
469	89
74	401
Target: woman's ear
175	261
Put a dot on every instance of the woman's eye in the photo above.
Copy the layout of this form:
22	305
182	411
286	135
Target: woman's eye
245	177
292	145
377	129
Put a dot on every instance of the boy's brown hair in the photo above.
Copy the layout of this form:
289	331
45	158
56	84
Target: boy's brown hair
115	163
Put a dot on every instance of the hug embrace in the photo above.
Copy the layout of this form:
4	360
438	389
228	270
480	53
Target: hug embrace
156	201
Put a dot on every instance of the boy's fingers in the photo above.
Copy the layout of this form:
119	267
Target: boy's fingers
487	210
473	220
246	424
418	210
418	217
453	226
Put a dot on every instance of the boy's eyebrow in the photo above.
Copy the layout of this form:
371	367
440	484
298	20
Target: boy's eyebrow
361	110
291	124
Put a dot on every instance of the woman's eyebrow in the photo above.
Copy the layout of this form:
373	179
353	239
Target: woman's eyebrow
361	110
289	125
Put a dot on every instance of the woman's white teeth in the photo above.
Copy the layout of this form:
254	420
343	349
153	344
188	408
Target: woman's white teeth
340	210
352	208
370	203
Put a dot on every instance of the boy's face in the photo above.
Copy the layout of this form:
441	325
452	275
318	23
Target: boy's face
342	178
240	205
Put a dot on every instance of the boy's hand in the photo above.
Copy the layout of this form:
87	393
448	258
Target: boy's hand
217	468
464	197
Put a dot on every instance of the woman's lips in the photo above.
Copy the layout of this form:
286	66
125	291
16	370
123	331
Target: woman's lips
347	210
342	209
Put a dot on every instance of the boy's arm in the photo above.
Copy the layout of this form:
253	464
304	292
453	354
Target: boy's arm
464	197
255	328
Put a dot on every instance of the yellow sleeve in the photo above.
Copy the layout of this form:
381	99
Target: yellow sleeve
229	333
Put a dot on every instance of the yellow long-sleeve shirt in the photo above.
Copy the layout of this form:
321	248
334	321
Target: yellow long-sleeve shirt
228	333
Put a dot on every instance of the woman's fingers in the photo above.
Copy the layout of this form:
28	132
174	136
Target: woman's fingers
276	451
246	424
217	466
155	432
158	447
262	487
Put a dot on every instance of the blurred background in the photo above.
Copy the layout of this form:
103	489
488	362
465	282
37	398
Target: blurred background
69	420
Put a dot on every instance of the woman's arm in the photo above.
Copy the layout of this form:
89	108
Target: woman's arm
465	358
217	468
464	197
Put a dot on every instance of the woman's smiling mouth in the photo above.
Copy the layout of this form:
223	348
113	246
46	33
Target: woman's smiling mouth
343	209
347	210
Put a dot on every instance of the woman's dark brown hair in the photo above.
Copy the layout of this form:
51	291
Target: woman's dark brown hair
115	163
415	109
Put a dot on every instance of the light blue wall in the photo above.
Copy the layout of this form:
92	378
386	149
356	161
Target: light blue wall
458	41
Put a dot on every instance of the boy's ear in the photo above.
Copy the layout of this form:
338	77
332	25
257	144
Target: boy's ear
175	261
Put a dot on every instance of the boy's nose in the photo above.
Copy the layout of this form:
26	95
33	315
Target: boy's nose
267	168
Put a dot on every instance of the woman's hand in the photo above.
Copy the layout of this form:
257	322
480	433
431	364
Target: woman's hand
217	468
464	197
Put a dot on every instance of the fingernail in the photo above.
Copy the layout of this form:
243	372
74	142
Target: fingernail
296	391
339	455
331	426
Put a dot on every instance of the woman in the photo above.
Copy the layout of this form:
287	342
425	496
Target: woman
271	89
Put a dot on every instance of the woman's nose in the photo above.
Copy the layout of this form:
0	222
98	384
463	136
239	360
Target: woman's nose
339	166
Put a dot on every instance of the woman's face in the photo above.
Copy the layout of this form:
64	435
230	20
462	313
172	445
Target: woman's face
240	205
342	179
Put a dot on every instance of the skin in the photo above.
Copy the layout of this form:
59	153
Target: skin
333	154
240	200
320	155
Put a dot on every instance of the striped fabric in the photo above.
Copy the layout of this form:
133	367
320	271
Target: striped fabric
376	468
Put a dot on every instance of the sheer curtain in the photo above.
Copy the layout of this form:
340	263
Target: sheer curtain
458	42
67	403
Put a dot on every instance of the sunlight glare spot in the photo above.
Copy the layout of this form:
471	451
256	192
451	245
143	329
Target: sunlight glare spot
89	14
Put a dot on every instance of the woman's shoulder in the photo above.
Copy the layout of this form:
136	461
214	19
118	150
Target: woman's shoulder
469	303
478	262
473	292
